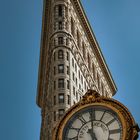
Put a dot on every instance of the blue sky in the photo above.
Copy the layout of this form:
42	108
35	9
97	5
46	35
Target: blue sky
116	26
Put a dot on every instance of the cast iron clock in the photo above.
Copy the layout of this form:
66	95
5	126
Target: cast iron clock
96	118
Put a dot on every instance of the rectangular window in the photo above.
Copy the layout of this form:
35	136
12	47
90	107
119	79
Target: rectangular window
60	54
85	85
76	81
61	68
54	70
76	95
60	83
68	56
73	90
72	62
79	86
82	79
61	112
73	76
54	85
54	115
68	84
68	70
79	74
61	98
68	96
60	10
102	89
72	27
54	100
60	25
75	68
54	56
60	41
98	81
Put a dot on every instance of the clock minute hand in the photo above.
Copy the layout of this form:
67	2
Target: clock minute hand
92	132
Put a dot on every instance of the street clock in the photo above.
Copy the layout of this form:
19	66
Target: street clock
97	118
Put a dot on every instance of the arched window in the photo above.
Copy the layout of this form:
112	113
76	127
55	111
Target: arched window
60	54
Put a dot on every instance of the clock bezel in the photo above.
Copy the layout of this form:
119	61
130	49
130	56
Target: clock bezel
95	107
65	121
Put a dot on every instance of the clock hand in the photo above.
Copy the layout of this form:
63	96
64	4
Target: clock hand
91	132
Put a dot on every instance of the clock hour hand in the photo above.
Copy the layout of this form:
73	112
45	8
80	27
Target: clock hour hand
92	134
91	131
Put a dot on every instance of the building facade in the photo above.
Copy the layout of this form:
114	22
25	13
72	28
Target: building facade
71	62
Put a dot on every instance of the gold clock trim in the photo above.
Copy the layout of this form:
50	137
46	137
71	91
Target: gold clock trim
92	98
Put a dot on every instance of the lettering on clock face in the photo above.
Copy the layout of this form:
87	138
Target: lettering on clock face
93	123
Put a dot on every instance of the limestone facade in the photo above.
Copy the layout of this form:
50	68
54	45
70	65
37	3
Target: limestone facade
71	62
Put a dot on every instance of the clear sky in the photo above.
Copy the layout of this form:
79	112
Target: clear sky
116	26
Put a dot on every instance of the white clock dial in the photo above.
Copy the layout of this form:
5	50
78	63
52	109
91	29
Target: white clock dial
93	123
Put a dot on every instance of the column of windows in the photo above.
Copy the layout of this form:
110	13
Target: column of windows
60	98
59	14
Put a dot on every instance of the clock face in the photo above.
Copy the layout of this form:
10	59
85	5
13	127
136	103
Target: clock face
93	123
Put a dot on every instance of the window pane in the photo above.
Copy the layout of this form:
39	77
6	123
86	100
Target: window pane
60	10
60	25
54	115
61	98
60	40
68	84
54	100
60	54
68	99
68	70
60	83
61	68
61	112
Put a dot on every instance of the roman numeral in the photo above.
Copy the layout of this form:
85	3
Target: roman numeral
102	115
83	121
92	115
114	131
110	139
74	138
76	129
110	122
